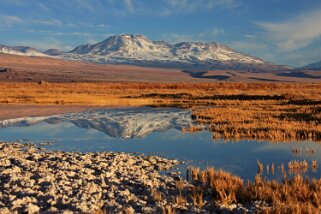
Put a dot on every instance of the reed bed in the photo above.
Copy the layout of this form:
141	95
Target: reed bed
293	167
300	151
262	120
208	189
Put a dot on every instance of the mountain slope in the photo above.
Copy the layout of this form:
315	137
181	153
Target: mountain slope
21	50
138	50
313	66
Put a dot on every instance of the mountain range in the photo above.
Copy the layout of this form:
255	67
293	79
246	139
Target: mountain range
139	50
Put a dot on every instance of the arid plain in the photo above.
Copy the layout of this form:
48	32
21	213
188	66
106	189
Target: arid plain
35	69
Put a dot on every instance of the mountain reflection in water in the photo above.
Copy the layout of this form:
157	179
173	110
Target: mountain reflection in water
118	123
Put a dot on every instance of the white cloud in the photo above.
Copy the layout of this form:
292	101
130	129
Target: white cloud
190	6
295	33
176	38
37	31
103	26
50	22
8	21
13	2
214	32
86	4
129	5
257	46
249	46
74	33
250	36
208	35
167	7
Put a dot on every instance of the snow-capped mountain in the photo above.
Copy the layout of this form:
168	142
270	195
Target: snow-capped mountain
21	50
313	66
138	50
118	123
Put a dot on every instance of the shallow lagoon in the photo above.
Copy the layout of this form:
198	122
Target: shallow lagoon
154	132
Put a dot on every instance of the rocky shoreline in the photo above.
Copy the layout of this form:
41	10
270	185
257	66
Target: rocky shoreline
34	180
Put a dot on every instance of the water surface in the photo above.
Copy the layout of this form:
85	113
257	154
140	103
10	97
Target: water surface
157	132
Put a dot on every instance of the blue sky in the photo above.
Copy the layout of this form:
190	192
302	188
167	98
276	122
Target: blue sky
280	31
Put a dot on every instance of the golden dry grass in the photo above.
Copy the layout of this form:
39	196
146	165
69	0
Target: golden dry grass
272	120
291	195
